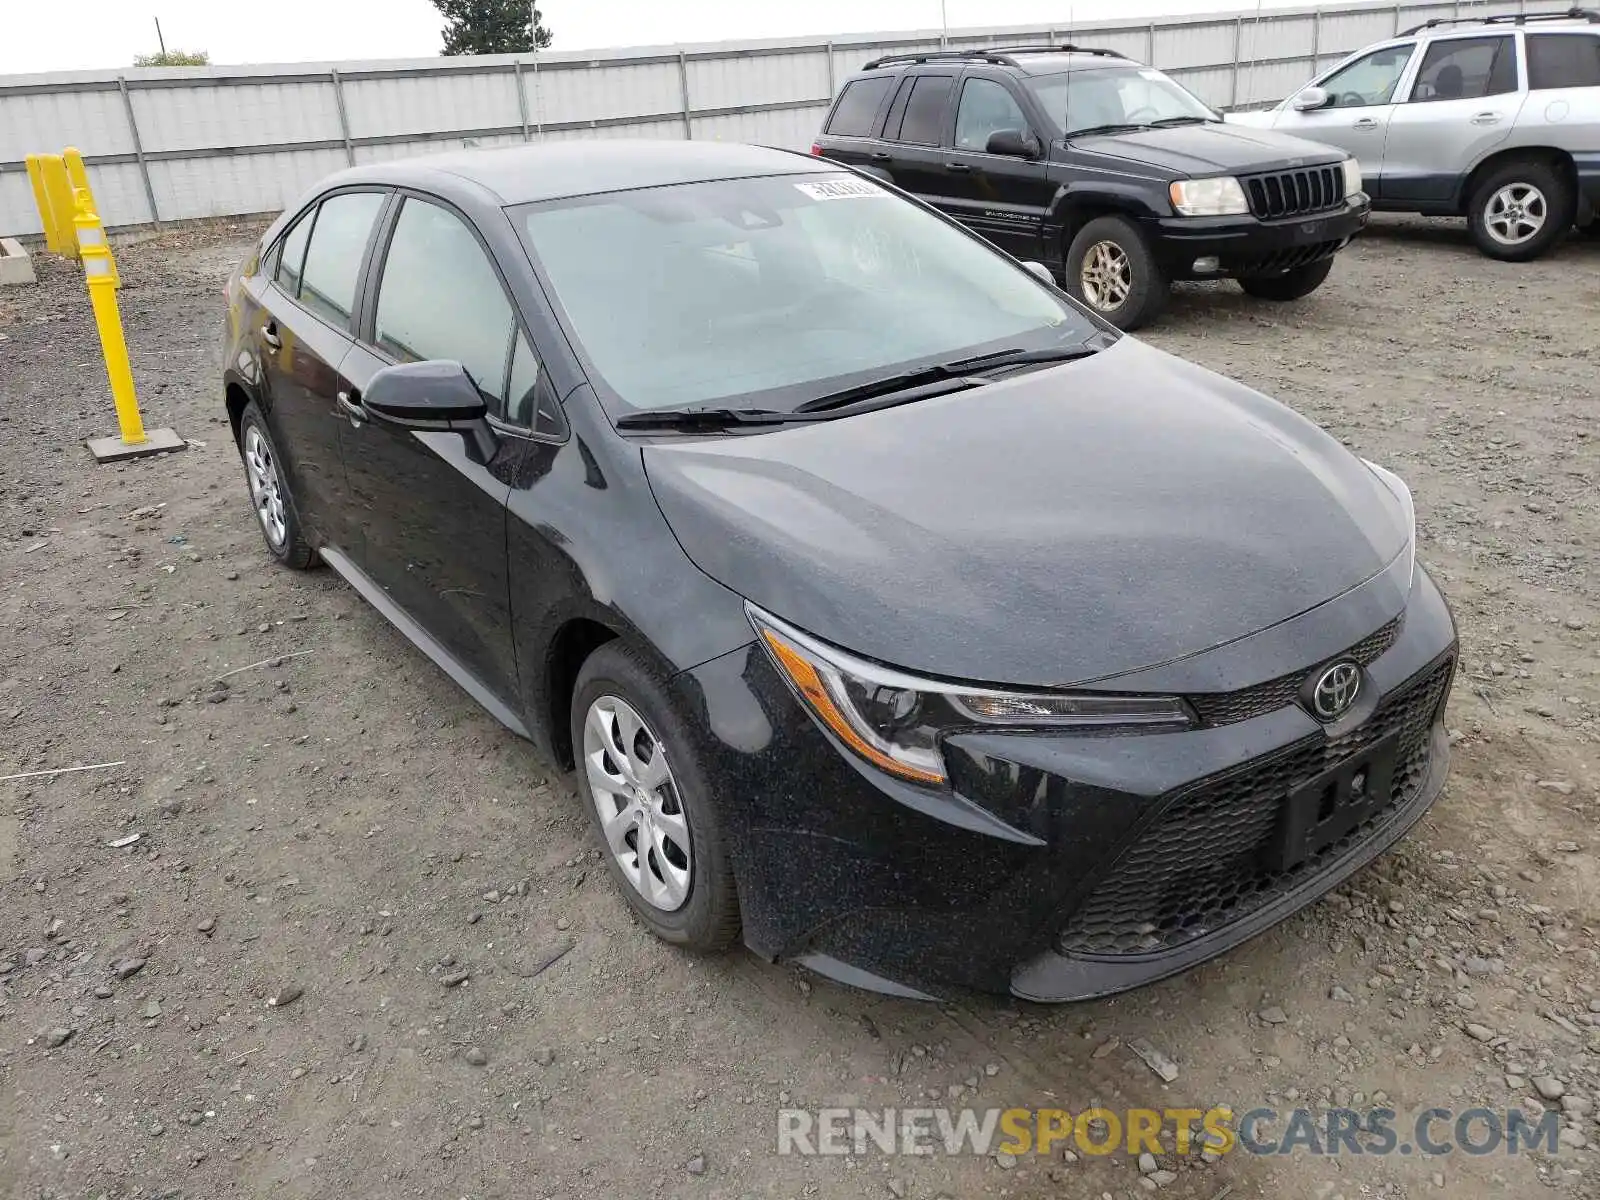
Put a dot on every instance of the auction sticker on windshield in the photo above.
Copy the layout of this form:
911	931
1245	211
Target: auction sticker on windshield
840	189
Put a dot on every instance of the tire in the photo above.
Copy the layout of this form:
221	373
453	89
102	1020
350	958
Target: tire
614	682
1116	244
269	493
1529	189
1291	285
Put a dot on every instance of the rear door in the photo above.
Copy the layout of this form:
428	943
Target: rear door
1000	196
1462	105
913	133
431	504
303	332
1361	102
849	136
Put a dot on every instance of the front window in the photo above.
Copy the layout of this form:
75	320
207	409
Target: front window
1368	81
1107	99
778	290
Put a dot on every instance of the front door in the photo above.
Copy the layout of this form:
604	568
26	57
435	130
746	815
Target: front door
1000	196
1356	116
302	333
432	504
1462	105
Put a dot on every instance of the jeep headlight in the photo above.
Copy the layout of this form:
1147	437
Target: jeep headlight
1220	196
1352	177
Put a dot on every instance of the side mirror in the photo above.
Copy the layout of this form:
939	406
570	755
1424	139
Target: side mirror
1310	98
1017	143
423	395
1041	271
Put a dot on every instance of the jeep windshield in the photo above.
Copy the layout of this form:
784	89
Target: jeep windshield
765	294
1116	99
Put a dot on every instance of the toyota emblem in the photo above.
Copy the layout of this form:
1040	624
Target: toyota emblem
1336	691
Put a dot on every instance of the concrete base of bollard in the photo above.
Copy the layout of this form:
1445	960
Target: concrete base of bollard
15	265
114	449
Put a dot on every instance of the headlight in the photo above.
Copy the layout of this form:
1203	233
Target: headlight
1352	177
1219	197
897	721
1408	509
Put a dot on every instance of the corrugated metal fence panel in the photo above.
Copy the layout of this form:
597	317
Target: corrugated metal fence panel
248	139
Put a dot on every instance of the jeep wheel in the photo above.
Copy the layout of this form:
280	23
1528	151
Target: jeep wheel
1110	268
1518	211
1291	285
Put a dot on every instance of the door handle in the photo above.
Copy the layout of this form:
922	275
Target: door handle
350	403
1486	118
1365	123
958	168
879	156
269	335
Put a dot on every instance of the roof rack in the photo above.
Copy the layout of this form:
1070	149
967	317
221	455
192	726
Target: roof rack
998	55
1589	15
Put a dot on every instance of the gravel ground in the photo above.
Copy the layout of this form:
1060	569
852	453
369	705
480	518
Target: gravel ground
362	945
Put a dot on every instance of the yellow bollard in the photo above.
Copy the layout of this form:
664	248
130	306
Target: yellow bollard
100	273
41	199
59	189
77	176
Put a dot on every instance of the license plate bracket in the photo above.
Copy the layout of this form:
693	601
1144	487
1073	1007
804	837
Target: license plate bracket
1324	809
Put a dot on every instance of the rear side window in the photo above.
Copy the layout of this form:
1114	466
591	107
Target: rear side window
1563	60
291	253
924	115
1466	69
441	298
333	260
858	105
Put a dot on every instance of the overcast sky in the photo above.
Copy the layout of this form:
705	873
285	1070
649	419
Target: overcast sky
108	33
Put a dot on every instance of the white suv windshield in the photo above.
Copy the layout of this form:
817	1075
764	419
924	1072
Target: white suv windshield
1109	97
787	286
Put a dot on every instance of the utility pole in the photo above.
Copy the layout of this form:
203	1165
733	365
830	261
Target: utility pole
160	39
944	25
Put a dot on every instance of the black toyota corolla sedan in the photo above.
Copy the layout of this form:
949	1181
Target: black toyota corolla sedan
897	615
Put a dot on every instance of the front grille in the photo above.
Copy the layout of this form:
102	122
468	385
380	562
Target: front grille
1199	866
1224	708
1293	193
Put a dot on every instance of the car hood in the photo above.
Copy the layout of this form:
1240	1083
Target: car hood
1057	527
1197	150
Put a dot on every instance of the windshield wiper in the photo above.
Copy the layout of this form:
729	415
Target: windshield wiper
1124	127
1169	122
939	377
704	418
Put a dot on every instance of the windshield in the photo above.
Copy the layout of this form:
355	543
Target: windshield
778	290
1122	95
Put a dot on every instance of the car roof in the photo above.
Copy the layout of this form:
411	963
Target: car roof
1039	62
556	170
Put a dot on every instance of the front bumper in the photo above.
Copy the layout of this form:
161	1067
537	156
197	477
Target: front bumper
1058	867
1249	246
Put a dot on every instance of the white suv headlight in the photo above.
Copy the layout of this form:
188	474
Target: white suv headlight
1220	196
1352	177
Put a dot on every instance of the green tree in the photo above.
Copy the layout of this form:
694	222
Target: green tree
173	58
491	27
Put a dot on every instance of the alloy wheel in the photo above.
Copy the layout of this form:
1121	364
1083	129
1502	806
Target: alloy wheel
1515	214
266	491
1106	276
641	811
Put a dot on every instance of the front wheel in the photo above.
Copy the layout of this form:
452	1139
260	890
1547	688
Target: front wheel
650	800
1291	285
1520	210
1110	268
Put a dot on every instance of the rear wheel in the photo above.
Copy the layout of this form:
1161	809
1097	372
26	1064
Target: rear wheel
1111	269
1291	285
1519	210
650	801
269	492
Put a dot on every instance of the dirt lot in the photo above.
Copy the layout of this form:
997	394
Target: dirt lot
340	820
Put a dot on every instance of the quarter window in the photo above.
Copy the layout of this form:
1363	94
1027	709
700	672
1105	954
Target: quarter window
1370	80
986	108
1466	69
858	105
291	253
333	260
441	298
1563	60
924	113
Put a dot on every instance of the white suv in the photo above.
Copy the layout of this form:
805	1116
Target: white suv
1493	118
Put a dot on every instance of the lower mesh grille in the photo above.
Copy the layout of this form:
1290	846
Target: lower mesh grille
1199	867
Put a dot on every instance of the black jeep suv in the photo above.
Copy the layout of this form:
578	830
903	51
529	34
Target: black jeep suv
1114	176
